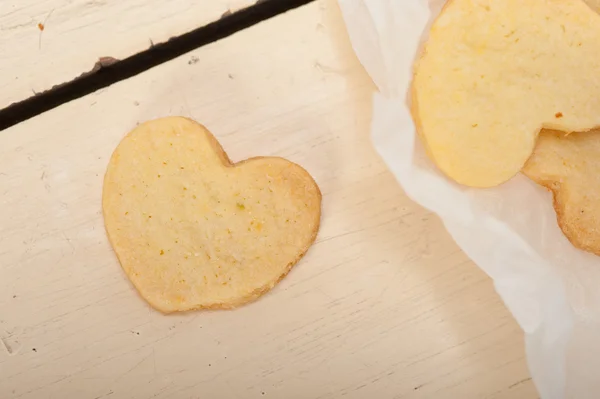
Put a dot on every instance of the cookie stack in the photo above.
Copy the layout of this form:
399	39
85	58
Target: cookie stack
504	86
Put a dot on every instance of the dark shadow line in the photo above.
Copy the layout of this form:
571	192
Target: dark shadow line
108	71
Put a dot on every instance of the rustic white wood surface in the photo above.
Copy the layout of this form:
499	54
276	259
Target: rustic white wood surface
76	33
383	306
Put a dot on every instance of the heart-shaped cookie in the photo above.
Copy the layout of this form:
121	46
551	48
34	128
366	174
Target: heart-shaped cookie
191	229
493	73
569	166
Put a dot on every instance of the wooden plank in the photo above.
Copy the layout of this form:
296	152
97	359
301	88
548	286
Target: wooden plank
77	33
384	305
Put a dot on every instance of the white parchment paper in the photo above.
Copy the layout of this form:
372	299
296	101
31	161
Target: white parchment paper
552	289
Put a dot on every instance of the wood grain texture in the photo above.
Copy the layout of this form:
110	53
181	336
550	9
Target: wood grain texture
75	34
384	305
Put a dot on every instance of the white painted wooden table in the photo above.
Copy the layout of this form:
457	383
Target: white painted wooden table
383	306
75	33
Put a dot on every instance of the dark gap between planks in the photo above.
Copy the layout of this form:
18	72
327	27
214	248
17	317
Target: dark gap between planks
108	71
